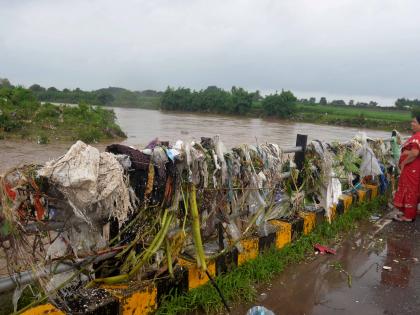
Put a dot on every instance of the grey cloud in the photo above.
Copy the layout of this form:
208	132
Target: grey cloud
347	47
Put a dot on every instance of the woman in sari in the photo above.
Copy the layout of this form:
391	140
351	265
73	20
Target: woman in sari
407	195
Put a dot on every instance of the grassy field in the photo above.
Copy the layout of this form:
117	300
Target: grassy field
356	112
350	116
373	118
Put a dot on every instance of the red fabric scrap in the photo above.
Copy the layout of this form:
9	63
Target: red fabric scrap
324	249
10	192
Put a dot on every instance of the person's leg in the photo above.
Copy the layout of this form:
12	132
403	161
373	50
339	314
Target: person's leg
408	214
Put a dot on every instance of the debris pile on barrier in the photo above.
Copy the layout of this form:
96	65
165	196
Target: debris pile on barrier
91	218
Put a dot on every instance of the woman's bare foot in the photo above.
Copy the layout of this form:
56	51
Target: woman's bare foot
402	218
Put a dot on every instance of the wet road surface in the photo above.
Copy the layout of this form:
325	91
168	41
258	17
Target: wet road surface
322	286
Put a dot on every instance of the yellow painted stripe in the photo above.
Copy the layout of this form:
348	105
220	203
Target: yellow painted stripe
196	276
362	195
309	219
283	234
138	303
250	250
374	190
333	213
347	200
43	310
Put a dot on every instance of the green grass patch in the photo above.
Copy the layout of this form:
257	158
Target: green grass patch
373	118
239	285
353	112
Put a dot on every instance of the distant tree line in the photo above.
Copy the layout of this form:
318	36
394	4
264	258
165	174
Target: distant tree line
236	101
111	96
212	99
404	103
106	96
323	101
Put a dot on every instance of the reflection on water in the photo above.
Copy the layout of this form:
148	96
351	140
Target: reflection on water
318	287
143	125
399	256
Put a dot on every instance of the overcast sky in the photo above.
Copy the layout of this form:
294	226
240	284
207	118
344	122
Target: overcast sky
331	47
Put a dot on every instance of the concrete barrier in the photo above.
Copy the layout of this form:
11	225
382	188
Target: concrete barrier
146	299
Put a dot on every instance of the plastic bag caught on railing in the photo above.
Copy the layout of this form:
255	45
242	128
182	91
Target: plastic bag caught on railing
370	165
281	208
234	232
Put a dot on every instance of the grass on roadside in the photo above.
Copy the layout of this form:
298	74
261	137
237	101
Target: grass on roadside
239	285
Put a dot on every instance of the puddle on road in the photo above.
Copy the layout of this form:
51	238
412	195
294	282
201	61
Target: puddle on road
320	287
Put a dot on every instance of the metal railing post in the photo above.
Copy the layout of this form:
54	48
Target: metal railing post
299	159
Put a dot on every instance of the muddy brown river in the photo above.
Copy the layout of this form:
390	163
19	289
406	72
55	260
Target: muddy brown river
143	125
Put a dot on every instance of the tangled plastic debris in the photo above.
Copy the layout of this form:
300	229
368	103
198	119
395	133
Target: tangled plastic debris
108	217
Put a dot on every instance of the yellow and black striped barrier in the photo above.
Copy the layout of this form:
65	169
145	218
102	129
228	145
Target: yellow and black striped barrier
145	299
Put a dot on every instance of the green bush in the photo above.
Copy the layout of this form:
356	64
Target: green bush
281	105
42	122
48	113
88	135
8	124
212	99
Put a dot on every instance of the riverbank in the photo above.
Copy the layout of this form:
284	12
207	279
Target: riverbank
374	118
352	116
23	117
238	101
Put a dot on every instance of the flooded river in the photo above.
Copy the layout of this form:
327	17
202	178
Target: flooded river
143	125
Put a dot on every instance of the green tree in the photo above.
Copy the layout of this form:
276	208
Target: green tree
105	98
241	101
36	88
323	101
5	83
280	105
338	103
403	103
179	99
415	111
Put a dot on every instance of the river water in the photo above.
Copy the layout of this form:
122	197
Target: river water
141	126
